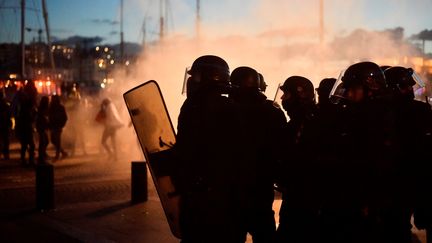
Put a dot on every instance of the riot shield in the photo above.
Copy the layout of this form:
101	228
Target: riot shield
156	135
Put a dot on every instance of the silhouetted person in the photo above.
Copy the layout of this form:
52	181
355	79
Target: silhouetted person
42	127
299	178
207	151
112	122
323	91
414	127
24	111
57	120
263	124
359	159
76	121
5	126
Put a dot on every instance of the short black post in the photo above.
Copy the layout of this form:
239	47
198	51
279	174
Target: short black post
139	182
44	187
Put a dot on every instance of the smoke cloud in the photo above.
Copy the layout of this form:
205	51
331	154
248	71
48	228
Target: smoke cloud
277	38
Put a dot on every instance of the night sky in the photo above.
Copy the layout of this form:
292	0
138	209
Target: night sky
224	17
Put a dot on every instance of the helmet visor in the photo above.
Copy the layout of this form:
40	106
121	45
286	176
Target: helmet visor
186	77
338	91
419	88
278	95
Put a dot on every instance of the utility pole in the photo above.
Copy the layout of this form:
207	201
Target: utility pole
144	33
321	21
198	20
121	34
161	20
45	15
23	75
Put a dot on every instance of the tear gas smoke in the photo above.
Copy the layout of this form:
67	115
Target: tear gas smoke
266	38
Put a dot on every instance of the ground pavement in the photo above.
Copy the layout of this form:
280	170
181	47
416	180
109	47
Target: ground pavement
92	198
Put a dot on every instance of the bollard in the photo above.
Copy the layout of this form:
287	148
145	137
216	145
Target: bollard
139	181
44	186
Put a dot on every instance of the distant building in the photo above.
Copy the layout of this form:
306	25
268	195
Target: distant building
9	61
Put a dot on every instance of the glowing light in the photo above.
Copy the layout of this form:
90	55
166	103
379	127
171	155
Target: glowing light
39	72
48	83
104	80
40	84
106	49
97	48
12	76
100	64
127	63
103	85
112	61
109	56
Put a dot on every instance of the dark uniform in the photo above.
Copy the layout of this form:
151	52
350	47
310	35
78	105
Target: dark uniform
207	153
414	128
57	120
422	132
359	174
262	124
24	110
298	217
5	126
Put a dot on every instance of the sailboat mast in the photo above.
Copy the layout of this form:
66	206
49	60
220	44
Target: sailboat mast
22	39
45	15
121	34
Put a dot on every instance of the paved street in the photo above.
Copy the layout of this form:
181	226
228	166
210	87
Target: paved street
92	196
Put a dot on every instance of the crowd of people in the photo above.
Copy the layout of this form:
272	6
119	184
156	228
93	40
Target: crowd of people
352	167
36	120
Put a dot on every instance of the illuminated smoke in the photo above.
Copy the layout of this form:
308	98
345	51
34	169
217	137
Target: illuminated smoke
278	38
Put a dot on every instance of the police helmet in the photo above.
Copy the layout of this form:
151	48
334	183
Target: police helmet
399	76
206	71
245	78
366	74
299	88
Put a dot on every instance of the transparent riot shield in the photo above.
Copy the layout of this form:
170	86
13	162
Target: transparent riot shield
156	135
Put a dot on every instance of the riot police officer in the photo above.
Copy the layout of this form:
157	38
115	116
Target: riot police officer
262	124
323	90
207	152
359	175
414	128
299	178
